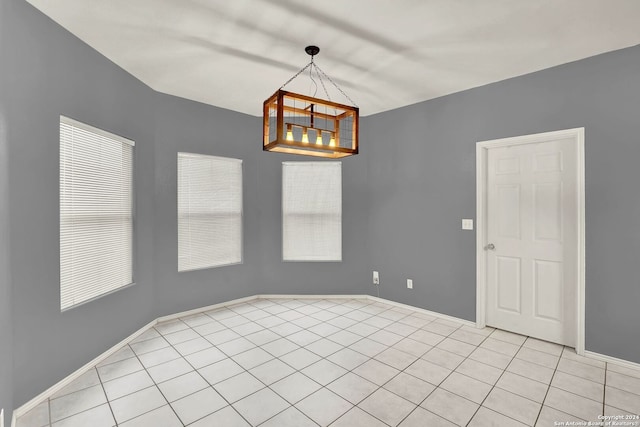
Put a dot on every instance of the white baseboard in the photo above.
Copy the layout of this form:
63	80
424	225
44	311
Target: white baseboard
611	359
372	298
296	296
18	412
207	308
423	311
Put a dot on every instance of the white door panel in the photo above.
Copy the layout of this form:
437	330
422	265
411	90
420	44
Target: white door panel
548	290
508	284
531	273
548	211
508	211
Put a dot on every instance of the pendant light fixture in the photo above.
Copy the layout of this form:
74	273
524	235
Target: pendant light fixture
310	126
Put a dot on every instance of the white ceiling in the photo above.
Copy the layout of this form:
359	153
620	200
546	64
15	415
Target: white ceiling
384	54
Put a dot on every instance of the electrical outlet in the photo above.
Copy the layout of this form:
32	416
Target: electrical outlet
467	224
376	278
409	283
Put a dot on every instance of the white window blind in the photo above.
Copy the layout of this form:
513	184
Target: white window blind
312	211
96	221
209	211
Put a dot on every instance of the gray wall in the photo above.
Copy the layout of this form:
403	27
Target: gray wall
421	163
183	125
47	72
6	325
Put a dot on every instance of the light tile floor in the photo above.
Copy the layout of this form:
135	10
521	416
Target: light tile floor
343	363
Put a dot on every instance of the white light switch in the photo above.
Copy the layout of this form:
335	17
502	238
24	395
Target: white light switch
467	224
409	283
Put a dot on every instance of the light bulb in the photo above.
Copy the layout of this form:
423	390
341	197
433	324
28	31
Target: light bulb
332	141
289	133
305	137
319	138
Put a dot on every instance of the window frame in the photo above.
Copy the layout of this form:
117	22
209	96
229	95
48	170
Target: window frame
133	259
240	162
283	213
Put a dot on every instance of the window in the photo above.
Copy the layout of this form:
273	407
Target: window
209	211
96	212
312	211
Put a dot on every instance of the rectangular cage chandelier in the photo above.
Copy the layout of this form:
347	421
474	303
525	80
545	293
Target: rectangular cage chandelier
310	126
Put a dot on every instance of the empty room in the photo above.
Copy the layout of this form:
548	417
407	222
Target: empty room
281	213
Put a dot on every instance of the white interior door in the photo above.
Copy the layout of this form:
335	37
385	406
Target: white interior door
531	255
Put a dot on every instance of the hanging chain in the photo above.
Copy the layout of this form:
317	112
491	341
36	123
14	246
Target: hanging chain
336	86
313	64
312	79
326	92
297	74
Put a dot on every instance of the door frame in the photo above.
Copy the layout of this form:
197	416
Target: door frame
482	148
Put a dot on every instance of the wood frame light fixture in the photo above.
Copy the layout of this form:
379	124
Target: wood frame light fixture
310	126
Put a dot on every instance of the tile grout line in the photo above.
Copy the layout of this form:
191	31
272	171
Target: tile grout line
255	346
493	386
437	386
49	409
625	375
544	399
586	379
341	329
505	370
154	384
212	346
378	387
348	347
51	422
604	388
433	320
326	357
343	347
196	370
106	396
144	367
290	405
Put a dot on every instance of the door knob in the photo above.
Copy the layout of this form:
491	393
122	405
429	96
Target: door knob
490	247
